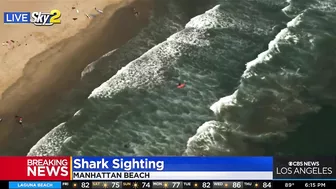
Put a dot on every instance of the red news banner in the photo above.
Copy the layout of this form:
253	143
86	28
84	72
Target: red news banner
35	168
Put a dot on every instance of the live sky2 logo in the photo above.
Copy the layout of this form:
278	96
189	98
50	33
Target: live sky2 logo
37	18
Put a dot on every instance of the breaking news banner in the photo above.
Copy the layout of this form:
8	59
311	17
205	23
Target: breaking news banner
136	168
172	168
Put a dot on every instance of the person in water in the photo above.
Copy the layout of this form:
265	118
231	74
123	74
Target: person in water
180	85
135	12
20	119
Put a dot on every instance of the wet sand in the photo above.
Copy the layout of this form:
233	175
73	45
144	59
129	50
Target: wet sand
53	72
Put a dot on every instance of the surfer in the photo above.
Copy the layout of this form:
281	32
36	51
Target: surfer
181	85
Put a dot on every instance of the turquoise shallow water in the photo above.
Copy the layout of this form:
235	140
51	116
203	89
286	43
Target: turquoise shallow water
258	75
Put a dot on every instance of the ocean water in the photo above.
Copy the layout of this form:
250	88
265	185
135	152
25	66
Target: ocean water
258	73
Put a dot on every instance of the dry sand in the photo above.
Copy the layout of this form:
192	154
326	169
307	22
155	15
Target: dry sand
44	61
13	58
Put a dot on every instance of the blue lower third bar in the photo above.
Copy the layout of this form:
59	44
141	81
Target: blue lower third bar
35	185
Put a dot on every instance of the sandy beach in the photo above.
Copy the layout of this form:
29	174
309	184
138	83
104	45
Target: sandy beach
38	63
30	40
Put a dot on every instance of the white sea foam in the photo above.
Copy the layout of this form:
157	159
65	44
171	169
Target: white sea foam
287	8
89	68
195	37
284	36
78	113
140	73
226	101
51	143
296	21
206	20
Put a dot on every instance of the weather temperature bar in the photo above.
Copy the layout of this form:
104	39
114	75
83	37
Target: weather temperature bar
136	184
196	184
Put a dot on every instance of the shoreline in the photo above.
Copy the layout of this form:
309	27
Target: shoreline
54	71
